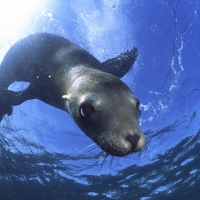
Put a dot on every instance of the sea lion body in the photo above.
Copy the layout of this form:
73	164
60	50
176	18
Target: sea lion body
68	77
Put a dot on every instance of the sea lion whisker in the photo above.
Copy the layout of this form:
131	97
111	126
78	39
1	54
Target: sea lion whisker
99	155
80	144
92	149
88	147
104	160
111	161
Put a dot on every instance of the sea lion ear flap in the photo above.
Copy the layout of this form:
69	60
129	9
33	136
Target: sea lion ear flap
66	97
121	64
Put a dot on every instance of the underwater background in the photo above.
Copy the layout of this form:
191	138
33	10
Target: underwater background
44	155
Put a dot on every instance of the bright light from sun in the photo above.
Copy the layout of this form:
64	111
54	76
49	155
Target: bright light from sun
14	14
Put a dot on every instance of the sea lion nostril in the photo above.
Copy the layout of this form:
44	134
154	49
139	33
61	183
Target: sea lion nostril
133	139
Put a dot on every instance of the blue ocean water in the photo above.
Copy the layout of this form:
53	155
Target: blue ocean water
44	155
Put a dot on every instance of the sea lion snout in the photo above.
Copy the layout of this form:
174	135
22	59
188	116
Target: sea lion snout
121	143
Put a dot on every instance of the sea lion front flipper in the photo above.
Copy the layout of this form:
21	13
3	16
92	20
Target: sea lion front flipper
6	102
121	64
11	98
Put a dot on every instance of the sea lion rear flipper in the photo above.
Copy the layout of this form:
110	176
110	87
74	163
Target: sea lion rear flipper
121	64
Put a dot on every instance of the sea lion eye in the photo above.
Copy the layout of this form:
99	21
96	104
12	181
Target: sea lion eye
86	110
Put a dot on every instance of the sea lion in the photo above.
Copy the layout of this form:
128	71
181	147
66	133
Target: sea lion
68	77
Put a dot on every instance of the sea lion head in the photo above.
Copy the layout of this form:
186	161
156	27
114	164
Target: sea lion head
107	111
